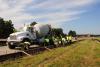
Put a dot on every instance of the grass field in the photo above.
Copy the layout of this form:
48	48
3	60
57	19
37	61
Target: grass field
80	54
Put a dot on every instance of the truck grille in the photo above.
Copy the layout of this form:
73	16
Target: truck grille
13	37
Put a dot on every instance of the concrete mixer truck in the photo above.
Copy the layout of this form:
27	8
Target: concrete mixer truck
30	35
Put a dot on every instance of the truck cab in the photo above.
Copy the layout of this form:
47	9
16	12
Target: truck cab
28	35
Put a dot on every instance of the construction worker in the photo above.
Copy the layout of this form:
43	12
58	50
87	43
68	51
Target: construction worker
70	39
51	40
56	41
63	40
46	41
67	38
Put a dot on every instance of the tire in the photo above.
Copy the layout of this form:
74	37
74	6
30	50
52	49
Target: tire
11	46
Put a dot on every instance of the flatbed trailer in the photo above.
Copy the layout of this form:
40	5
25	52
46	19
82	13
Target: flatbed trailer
3	42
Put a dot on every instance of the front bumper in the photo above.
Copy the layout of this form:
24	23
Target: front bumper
14	42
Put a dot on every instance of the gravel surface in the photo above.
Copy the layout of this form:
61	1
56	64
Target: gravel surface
5	50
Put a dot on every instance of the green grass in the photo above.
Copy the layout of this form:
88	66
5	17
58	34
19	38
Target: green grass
97	38
81	54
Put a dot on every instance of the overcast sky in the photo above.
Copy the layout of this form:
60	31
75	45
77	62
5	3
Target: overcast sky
83	16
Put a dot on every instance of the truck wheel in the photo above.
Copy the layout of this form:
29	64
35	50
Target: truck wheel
11	46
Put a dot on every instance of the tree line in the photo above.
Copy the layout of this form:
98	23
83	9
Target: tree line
6	28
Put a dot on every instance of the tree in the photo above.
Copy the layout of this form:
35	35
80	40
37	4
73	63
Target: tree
57	31
6	28
1	27
72	33
33	23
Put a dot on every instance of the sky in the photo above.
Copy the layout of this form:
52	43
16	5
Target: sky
82	16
